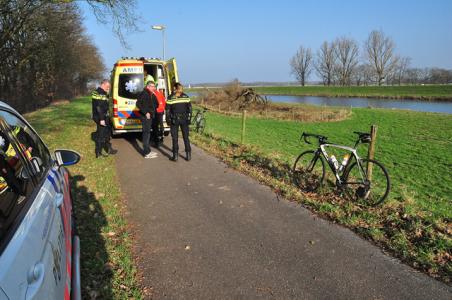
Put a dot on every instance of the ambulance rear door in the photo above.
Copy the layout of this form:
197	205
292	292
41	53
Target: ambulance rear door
128	84
172	74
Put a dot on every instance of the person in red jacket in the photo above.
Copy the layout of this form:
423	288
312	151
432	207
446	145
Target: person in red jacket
157	122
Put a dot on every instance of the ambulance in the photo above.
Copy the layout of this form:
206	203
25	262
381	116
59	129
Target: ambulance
127	80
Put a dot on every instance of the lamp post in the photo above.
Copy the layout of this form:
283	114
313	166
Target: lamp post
162	28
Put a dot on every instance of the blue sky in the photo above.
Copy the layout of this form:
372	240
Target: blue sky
217	41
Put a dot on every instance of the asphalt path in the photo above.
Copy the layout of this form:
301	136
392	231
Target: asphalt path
204	231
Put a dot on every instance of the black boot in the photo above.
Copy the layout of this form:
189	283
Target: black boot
109	149
188	156
175	156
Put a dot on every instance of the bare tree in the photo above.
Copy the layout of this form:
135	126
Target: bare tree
47	55
301	64
380	54
120	13
441	76
362	75
325	62
401	69
346	51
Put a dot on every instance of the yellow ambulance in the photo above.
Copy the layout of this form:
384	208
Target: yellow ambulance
127	79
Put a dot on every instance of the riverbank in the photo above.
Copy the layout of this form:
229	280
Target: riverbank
416	92
414	223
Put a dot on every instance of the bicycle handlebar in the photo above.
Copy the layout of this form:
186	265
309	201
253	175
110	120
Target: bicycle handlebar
322	139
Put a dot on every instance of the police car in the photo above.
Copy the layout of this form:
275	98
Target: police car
39	252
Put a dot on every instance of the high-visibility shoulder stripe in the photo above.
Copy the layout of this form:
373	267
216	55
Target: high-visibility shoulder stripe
96	96
100	98
178	100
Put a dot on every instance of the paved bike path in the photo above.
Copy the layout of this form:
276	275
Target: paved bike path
204	231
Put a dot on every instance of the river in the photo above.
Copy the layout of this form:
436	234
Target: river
417	105
409	104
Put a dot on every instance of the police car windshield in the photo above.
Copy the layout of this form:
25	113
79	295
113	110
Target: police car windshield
130	85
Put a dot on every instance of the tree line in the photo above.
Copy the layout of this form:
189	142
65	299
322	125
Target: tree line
341	62
45	52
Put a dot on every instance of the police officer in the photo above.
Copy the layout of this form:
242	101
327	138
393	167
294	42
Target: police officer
179	114
100	116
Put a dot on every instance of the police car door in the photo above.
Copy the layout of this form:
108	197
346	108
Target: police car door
33	265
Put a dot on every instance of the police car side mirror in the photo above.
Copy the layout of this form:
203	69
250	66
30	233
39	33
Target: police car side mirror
66	157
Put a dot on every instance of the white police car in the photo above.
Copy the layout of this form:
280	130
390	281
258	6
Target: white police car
39	252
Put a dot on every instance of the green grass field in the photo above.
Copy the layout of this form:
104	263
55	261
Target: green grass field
107	270
414	147
426	92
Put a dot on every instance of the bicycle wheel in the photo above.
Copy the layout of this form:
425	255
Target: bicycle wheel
368	190
200	125
309	171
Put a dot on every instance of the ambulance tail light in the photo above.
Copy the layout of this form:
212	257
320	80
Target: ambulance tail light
115	108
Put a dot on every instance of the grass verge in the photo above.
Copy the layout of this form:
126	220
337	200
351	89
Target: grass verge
414	224
107	269
422	92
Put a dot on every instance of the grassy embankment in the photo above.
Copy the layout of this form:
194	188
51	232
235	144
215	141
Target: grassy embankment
107	269
424	92
414	224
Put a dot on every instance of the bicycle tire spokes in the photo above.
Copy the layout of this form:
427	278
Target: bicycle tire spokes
364	189
309	171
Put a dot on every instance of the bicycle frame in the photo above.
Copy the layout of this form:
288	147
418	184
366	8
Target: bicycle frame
354	154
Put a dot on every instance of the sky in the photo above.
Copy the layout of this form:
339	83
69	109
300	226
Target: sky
218	41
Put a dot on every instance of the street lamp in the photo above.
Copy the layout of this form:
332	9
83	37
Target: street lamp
162	28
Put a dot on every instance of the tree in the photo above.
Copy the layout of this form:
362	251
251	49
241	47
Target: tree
441	76
346	52
401	69
301	64
46	55
120	13
362	75
325	62
379	51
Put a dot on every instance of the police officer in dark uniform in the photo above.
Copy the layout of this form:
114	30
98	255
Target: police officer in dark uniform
179	114
100	116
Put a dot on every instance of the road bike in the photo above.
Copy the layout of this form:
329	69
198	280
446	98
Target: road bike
199	120
364	180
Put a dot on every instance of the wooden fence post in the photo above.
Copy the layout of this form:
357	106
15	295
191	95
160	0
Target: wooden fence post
371	152
242	138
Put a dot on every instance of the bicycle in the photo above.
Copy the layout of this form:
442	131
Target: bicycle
199	121
364	180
